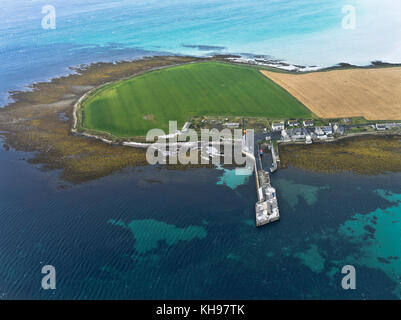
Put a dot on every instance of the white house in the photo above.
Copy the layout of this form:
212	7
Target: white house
308	123
284	135
381	126
298	134
328	130
278	126
293	123
320	133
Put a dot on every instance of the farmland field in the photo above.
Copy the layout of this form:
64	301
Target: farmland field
374	94
133	106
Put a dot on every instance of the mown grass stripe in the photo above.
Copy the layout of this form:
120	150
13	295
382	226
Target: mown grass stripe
133	106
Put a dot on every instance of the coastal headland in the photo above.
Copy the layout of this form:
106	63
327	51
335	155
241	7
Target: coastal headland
40	120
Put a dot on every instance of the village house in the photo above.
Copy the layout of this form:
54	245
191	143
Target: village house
328	130
297	134
390	126
320	133
308	123
293	123
278	126
338	129
285	136
381	126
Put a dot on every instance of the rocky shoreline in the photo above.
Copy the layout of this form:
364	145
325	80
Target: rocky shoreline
367	154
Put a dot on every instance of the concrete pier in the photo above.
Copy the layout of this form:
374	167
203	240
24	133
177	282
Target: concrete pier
267	206
274	158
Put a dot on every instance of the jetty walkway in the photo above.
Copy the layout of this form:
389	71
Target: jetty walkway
266	207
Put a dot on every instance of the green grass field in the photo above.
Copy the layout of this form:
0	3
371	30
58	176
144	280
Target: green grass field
131	107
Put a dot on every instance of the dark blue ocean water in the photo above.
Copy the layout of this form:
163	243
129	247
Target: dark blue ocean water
156	233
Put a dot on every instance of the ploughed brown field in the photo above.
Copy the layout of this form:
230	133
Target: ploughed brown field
371	93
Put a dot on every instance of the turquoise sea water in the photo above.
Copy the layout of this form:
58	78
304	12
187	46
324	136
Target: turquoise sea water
306	32
191	234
